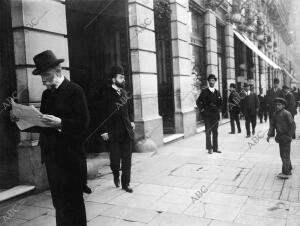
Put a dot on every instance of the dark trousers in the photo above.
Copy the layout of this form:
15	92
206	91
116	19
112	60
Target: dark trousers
285	150
234	117
120	154
66	195
211	127
262	115
294	135
250	119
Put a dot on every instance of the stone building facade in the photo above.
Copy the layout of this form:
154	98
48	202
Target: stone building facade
167	48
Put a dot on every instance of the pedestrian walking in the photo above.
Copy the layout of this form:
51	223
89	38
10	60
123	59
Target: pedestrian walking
290	102
65	111
271	95
296	97
250	107
118	129
209	103
262	113
234	101
283	123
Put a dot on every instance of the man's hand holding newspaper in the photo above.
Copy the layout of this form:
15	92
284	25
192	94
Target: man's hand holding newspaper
29	116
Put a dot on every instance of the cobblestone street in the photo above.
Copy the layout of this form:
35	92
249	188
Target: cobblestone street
182	184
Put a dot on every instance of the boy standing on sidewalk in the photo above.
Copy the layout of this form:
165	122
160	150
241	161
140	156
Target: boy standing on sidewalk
284	124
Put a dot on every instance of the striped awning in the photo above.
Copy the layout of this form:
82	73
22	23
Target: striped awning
255	49
289	74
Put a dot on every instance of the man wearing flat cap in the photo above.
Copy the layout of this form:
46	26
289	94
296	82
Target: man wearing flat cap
271	95
65	112
118	127
283	123
209	103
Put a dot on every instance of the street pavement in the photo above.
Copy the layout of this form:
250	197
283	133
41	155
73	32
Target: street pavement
181	184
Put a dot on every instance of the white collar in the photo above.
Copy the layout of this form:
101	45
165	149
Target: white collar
60	81
248	92
212	89
116	88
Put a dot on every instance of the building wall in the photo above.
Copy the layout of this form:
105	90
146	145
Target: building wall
37	26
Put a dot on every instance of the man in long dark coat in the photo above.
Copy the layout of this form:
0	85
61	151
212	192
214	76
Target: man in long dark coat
271	95
118	127
262	113
234	101
209	103
65	111
290	102
250	106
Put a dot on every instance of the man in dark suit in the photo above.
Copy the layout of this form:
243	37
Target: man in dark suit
250	106
290	102
65	112
118	129
209	103
263	113
271	95
234	108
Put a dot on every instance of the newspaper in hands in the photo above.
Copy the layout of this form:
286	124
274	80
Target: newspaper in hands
29	116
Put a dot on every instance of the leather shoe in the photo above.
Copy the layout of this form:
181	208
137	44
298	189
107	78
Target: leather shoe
217	151
247	136
127	189
209	151
117	182
231	132
283	176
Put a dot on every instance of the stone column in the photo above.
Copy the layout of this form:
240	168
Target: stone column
211	43
37	26
229	49
185	117
263	73
144	70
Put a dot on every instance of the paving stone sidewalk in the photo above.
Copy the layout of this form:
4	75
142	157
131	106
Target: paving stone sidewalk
183	185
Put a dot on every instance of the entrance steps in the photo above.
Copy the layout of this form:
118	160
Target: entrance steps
15	191
169	138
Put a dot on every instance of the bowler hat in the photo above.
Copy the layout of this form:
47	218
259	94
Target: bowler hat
280	100
211	76
276	80
114	70
45	60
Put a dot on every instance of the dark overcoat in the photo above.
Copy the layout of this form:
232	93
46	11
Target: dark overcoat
117	114
291	103
250	104
210	104
65	148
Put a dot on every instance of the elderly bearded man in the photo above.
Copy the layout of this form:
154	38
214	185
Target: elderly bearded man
65	111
